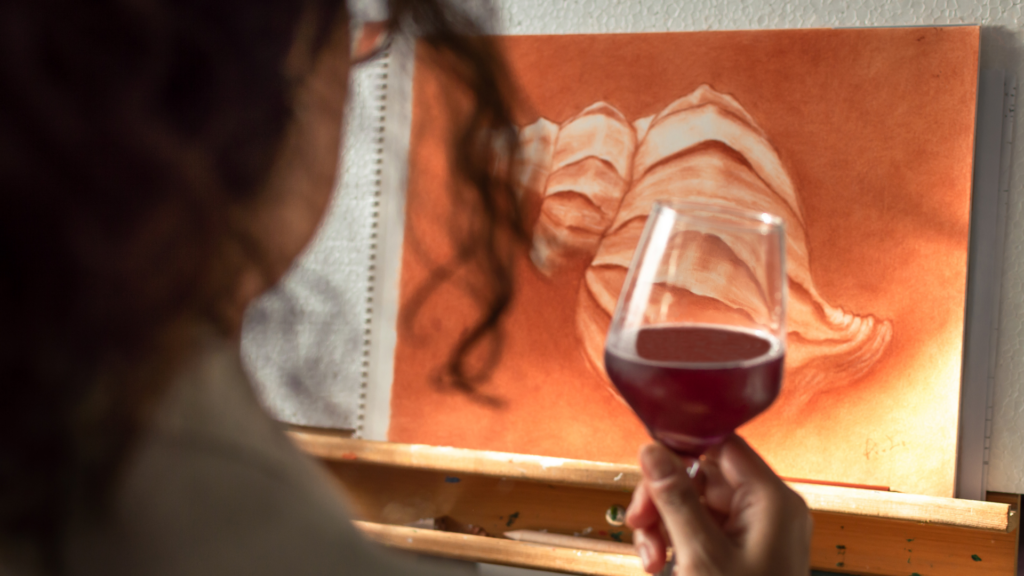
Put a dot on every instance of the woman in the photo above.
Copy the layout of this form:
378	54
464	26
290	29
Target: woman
161	165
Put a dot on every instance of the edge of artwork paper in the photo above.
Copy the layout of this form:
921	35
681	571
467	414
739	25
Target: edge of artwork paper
390	237
385	310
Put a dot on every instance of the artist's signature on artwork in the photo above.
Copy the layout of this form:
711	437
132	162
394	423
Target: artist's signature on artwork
876	448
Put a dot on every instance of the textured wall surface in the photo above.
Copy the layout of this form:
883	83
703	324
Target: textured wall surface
319	363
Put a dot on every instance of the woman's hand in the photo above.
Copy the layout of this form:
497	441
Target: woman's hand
729	515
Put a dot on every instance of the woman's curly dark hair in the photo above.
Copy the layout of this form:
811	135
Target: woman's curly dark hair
129	131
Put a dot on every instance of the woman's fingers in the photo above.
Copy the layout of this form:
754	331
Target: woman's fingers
648	534
641	512
774	519
650	545
733	517
697	537
718	494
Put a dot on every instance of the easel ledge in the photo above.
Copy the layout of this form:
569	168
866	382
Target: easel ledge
856	531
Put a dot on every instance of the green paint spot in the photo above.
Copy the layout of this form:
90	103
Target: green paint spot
975	557
840	547
914	574
910	539
617	536
840	564
615	515
512	519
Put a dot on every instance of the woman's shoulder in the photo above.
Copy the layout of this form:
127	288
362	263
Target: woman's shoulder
215	487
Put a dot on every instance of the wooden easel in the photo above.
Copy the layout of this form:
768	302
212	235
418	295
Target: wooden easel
855	531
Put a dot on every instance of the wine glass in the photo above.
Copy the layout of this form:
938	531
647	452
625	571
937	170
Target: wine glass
697	342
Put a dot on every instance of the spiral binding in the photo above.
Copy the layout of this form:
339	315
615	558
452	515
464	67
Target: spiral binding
380	85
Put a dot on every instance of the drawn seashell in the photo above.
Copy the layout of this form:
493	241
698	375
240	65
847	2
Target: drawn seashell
590	170
537	146
705	147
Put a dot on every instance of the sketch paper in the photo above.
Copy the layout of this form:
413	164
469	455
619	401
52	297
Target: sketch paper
861	140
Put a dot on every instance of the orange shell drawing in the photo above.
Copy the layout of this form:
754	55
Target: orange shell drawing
596	177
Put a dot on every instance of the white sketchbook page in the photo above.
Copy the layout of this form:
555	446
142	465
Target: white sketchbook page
1002	47
305	343
392	233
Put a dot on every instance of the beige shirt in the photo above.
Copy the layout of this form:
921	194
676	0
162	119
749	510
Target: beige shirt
217	488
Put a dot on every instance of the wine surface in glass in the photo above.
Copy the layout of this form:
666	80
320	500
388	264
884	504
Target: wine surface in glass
692	385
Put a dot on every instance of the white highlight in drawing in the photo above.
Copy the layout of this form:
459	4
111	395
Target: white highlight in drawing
590	168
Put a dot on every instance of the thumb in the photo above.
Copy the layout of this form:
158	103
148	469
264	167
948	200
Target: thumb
741	465
692	530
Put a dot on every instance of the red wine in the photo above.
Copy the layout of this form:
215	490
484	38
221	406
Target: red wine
693	385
